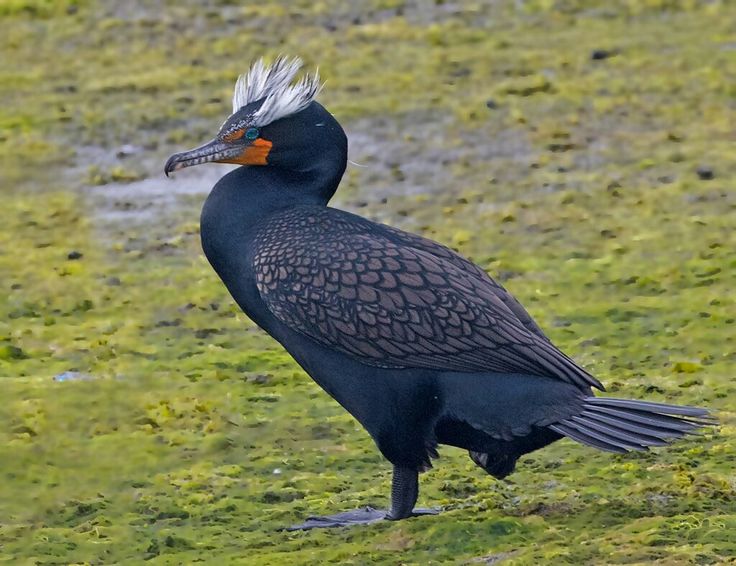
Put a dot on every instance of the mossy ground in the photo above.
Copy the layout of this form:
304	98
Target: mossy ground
580	180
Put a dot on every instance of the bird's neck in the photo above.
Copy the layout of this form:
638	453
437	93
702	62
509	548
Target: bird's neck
253	192
237	205
248	195
315	184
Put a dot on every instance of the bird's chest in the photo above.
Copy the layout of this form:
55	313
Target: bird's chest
230	260
227	242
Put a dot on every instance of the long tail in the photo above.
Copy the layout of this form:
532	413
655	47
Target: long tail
622	425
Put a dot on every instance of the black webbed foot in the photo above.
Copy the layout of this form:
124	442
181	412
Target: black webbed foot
404	492
364	516
418	512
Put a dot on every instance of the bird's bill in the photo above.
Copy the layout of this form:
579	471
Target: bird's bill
254	153
214	150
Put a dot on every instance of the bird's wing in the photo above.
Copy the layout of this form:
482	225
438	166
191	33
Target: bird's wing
459	261
352	287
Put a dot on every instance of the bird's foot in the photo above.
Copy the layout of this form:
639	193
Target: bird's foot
418	512
364	516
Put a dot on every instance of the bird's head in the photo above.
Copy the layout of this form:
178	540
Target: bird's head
274	122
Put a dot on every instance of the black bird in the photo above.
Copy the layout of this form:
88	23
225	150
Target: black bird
420	345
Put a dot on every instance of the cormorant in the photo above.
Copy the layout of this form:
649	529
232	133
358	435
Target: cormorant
419	344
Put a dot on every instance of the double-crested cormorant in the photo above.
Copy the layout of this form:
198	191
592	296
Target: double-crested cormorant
420	345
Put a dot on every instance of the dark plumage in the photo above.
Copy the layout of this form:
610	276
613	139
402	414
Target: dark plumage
418	343
395	300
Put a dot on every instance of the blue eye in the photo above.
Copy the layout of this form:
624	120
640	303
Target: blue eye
251	133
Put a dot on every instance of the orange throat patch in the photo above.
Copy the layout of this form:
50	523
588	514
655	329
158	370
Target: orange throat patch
255	154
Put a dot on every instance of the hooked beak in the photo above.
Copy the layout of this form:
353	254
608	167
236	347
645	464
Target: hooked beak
254	152
214	150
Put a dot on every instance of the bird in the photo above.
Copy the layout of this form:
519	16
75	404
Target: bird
420	345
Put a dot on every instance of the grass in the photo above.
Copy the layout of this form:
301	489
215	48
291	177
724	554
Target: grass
188	435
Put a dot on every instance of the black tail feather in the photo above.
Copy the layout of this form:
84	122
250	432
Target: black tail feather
663	421
649	406
631	437
581	436
623	425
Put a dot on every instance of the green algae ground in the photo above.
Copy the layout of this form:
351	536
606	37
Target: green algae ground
581	152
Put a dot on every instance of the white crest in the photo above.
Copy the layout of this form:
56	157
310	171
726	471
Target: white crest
274	84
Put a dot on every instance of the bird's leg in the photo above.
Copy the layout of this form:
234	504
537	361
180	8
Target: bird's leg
404	493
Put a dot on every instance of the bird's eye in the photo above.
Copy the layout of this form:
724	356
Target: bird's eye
251	133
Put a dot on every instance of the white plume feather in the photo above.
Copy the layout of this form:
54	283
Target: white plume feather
273	83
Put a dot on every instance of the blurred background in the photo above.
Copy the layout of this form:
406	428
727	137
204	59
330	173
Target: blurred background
580	151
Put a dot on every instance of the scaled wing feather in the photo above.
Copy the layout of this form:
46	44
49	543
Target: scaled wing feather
370	292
